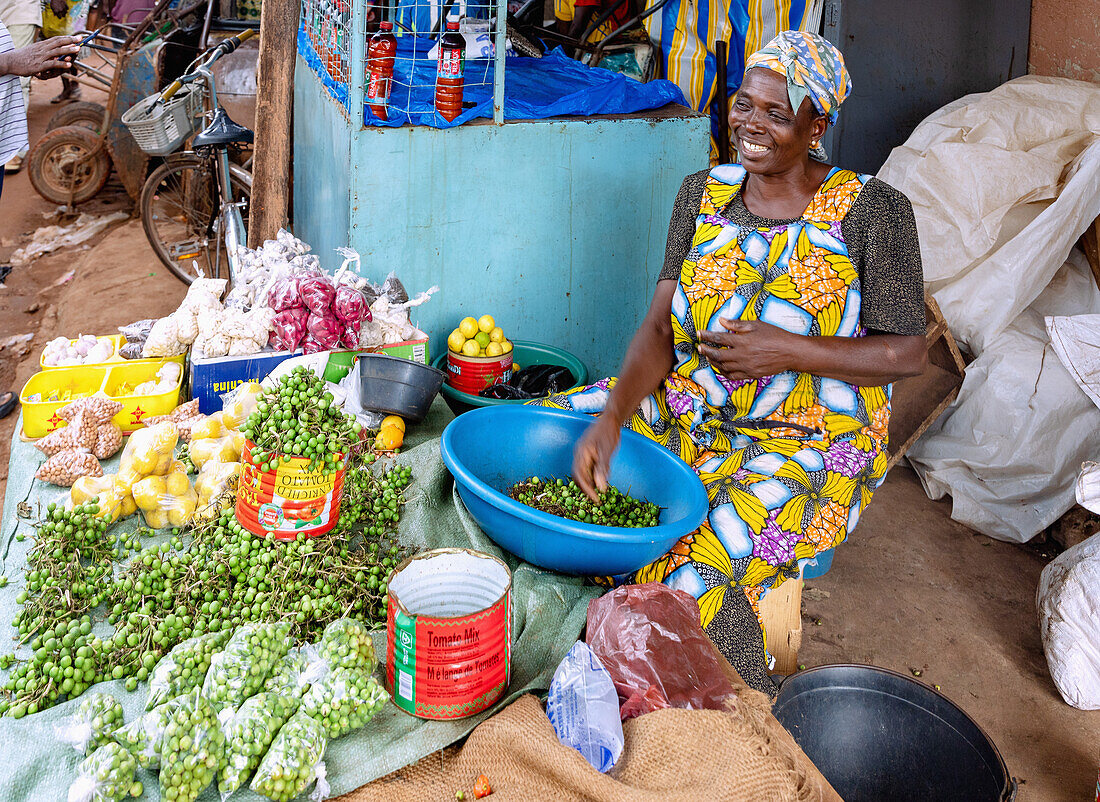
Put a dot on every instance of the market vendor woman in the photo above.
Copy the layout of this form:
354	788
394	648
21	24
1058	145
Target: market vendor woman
791	297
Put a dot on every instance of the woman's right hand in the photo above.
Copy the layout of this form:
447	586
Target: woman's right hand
592	455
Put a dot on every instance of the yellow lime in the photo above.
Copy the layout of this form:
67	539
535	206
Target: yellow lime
486	323
455	340
497	334
506	345
468	327
482	339
493	349
393	420
469	348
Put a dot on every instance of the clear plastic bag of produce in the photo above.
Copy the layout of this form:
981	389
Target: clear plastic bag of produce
300	667
167	500
87	349
284	295
226	448
147	453
212	481
249	734
80	433
289	329
101	408
346	643
101	492
184	668
144	736
325	329
239	671
311	345
239	403
92	724
350	304
350	337
649	639
293	762
317	293
108	440
138	331
65	467
193	751
106	775
344	700
583	708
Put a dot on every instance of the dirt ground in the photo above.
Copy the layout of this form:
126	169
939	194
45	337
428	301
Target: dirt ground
911	589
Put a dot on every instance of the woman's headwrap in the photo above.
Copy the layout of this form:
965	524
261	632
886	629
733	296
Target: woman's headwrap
812	66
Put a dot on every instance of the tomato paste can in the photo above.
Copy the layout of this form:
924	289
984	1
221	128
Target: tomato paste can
448	633
472	374
288	500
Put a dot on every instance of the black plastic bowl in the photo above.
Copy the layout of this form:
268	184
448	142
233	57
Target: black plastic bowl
397	386
878	735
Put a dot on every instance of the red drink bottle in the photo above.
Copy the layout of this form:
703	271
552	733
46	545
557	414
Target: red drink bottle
380	54
450	66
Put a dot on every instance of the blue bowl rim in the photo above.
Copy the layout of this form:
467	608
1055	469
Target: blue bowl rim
616	534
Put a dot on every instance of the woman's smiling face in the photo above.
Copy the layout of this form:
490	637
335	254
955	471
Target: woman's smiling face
767	133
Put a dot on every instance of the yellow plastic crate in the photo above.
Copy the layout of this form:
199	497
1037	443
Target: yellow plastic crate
136	408
67	384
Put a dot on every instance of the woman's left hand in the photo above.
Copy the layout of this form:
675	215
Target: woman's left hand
748	349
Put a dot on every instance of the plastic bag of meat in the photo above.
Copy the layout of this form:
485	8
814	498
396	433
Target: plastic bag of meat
649	639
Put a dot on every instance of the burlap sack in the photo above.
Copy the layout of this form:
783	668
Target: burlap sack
669	756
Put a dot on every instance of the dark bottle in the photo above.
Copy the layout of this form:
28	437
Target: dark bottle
450	67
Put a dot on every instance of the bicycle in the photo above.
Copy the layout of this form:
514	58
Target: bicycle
194	206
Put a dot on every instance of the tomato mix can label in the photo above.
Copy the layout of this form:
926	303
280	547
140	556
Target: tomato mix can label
448	633
287	500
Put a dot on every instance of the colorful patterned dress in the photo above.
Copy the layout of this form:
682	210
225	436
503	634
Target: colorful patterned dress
789	461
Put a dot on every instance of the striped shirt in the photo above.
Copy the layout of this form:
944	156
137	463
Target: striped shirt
13	117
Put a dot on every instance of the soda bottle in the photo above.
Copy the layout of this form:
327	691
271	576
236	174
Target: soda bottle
380	55
448	80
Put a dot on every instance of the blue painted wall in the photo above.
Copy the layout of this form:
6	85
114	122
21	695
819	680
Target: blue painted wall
556	228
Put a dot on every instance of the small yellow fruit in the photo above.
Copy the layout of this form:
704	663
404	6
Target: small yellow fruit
486	323
493	349
394	420
497	334
389	438
468	327
469	348
506	345
482	339
455	341
481	353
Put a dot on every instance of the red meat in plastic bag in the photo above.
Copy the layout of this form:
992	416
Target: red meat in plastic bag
326	330
284	295
317	293
288	329
350	338
649	639
350	305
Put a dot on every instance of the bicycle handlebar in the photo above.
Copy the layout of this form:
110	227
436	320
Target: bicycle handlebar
223	48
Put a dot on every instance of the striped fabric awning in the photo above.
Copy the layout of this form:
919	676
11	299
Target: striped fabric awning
686	32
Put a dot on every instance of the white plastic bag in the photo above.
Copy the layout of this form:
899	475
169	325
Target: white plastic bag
583	707
1069	622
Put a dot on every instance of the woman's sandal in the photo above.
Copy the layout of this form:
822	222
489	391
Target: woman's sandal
8	401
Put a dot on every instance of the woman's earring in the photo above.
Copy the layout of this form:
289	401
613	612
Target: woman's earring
815	143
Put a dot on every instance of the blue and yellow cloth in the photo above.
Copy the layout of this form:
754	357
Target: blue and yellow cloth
812	66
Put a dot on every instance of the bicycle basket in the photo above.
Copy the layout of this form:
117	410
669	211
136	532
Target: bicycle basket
161	129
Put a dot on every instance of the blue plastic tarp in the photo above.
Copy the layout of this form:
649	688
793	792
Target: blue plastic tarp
553	86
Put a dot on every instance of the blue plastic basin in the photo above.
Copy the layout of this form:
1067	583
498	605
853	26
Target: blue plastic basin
490	449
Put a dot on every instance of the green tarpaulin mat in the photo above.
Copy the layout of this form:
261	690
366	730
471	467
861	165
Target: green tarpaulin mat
550	611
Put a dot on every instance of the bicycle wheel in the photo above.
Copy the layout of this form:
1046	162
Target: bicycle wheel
179	207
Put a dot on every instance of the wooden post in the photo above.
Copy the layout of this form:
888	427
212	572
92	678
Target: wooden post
270	204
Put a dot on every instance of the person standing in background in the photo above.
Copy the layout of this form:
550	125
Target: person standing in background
23	19
65	18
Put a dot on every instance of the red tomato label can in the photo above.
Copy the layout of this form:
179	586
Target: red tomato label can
287	500
449	633
472	374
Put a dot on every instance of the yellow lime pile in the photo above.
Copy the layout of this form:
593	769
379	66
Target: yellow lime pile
479	337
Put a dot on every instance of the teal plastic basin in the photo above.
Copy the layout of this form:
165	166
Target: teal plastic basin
524	352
